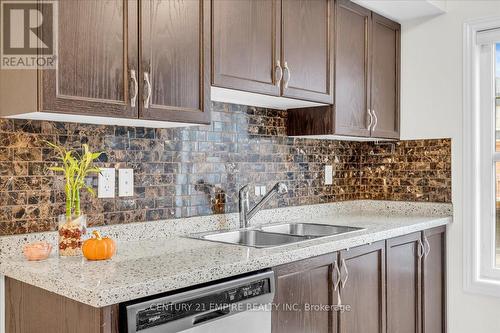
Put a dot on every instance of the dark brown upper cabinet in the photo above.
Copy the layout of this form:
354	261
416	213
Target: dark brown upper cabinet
246	40
367	66
279	48
307	50
121	64
385	77
175	60
362	287
97	59
352	76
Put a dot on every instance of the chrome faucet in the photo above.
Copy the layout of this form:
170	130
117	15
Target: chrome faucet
244	204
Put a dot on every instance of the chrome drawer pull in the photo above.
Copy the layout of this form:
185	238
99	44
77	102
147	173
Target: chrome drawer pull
376	120
133	98
371	119
148	90
287	74
426	252
344	281
278	72
420	250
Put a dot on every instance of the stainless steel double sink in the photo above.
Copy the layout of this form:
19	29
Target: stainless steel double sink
276	235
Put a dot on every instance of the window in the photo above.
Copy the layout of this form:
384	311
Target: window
481	156
488	160
497	149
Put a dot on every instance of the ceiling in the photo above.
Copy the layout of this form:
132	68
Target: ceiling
405	10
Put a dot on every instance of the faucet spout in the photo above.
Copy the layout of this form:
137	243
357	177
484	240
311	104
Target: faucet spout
244	205
246	214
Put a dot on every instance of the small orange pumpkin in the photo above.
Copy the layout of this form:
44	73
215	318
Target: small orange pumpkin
98	248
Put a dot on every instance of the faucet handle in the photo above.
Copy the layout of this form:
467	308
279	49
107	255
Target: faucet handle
281	188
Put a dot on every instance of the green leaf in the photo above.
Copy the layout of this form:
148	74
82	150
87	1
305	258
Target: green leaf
76	166
50	144
57	169
94	169
91	190
96	155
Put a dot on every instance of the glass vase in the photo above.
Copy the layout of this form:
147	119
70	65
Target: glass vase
71	232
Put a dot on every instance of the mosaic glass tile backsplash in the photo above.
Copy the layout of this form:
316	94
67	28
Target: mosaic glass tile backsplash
198	170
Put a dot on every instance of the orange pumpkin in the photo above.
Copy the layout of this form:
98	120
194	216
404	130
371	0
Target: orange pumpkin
98	248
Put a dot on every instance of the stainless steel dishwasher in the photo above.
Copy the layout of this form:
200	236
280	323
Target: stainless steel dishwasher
240	305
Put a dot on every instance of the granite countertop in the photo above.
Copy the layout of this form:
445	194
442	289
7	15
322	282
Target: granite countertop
151	266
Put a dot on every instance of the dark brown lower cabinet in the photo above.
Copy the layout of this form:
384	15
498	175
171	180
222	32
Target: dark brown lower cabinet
303	283
434	281
403	283
393	286
361	280
362	288
30	309
416	293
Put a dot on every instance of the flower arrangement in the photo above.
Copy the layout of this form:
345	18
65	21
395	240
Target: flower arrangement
75	167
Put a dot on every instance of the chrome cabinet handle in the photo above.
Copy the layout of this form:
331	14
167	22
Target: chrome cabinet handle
148	90
287	74
344	281
133	97
337	269
420	250
278	72
426	243
336	284
376	120
371	119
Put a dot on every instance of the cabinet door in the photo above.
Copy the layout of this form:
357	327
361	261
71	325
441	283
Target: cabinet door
385	77
304	283
175	60
97	55
246	40
403	283
307	50
352	69
363	288
433	281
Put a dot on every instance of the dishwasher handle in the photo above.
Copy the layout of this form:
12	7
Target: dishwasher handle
215	314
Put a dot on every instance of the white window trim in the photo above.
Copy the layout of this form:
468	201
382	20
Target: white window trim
478	178
2	304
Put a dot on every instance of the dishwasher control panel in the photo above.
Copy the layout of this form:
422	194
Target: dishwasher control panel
198	306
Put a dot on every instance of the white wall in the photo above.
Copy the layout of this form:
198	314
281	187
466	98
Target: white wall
431	106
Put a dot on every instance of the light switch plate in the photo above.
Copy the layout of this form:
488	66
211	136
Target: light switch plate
263	190
257	190
126	182
328	174
106	187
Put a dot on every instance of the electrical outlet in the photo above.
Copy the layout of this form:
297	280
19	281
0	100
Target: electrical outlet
106	186
263	190
125	182
260	190
328	174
